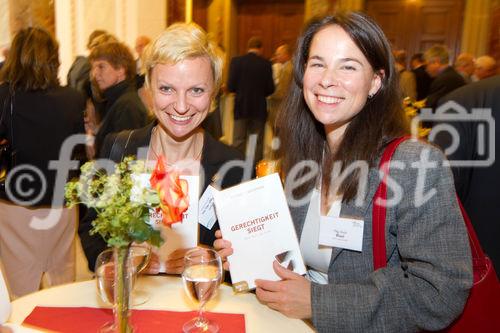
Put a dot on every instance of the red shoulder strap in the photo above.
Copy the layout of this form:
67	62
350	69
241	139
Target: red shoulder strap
379	213
379	209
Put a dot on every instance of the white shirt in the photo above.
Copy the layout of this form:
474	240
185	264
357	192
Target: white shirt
316	257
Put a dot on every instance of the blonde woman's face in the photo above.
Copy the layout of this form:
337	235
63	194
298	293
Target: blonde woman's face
182	94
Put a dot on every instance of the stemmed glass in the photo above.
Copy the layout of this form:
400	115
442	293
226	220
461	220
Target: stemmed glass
140	255
105	277
202	276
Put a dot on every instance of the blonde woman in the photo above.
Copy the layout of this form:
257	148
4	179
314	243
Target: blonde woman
183	74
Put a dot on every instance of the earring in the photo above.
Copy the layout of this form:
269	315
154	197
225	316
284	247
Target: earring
370	96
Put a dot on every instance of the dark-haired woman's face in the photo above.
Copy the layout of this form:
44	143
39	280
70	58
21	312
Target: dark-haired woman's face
337	79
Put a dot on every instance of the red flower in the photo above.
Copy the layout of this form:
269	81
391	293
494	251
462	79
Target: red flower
173	192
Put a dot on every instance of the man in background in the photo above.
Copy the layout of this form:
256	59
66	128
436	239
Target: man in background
140	44
78	74
5	54
283	57
422	78
251	78
446	78
486	67
477	187
464	65
407	82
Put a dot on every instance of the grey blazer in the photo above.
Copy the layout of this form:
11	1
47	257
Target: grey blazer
429	268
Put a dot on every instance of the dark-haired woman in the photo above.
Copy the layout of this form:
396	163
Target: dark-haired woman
36	231
342	110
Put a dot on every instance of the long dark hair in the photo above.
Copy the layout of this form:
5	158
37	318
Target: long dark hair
382	117
33	61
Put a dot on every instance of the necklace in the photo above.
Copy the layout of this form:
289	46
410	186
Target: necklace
156	155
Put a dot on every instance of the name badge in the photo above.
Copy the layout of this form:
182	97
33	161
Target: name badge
341	232
206	209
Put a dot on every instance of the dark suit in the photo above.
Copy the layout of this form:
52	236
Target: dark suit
424	81
478	187
122	110
444	83
251	78
215	154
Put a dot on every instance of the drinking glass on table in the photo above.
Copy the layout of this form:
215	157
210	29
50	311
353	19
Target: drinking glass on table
140	255
105	278
202	276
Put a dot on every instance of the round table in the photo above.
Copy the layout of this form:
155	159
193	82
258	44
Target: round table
165	293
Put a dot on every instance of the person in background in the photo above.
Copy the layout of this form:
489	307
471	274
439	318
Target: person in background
284	58
446	78
485	67
464	65
78	74
477	187
113	71
140	44
407	81
5	55
39	115
183	73
251	78
422	78
345	107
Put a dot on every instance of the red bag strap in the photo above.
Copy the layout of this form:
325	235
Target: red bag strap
379	209
475	246
379	213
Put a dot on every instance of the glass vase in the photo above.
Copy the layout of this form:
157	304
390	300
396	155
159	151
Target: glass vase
122	289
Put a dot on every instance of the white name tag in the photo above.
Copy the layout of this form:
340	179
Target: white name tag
341	232
206	209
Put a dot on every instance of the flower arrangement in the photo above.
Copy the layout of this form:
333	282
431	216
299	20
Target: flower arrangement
122	204
411	109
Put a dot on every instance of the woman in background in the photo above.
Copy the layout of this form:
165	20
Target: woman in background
38	115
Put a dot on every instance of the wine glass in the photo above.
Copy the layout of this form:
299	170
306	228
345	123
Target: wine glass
201	276
105	277
139	255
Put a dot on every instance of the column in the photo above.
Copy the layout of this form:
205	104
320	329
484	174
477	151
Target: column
349	5
477	26
317	8
5	37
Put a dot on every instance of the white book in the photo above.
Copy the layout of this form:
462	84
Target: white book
255	218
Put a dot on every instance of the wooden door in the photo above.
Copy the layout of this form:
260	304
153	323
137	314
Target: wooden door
276	22
417	25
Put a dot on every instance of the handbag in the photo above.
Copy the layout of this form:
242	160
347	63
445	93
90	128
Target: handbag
482	309
7	155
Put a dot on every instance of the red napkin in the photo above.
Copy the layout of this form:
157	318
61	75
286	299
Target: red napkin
85	320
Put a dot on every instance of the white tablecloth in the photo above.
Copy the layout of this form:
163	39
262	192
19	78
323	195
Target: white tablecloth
165	293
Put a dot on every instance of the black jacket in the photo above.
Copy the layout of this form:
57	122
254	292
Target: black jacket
424	81
478	187
443	84
251	78
122	110
42	120
215	154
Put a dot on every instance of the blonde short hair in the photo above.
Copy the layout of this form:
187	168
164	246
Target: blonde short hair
182	41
